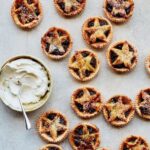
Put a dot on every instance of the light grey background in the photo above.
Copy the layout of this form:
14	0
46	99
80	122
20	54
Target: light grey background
14	41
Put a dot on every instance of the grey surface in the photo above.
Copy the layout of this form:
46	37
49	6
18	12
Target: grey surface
14	41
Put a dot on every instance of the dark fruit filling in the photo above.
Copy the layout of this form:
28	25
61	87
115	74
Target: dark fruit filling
103	22
119	46
128	10
127	113
120	66
90	109
51	116
79	131
62	121
93	62
77	141
53	148
107	33
47	45
60	132
87	73
80	1
119	15
145	109
56	51
65	44
79	106
92	92
114	100
109	8
91	23
80	94
113	56
62	5
85	54
98	40
29	1
91	130
132	139
37	12
50	34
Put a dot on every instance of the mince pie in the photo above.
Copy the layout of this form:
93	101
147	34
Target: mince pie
86	102
56	43
143	103
70	8
51	147
53	126
26	13
97	32
119	110
134	143
84	65
118	10
122	56
147	64
85	136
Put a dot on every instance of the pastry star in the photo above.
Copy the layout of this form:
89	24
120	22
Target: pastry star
98	31
119	6
52	126
56	42
124	55
87	136
88	99
117	110
137	145
82	64
70	3
146	97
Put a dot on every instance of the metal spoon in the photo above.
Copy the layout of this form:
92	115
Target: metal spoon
27	121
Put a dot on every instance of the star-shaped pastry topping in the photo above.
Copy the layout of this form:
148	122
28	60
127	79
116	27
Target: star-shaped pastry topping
89	101
119	7
71	3
98	31
52	127
125	56
88	137
138	144
55	42
82	64
117	110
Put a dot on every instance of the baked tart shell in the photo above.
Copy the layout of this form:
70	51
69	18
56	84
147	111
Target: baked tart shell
86	38
28	25
115	19
82	114
71	14
137	100
44	137
117	123
91	76
56	57
122	70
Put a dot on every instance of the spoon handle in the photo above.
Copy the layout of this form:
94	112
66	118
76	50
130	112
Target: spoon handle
27	121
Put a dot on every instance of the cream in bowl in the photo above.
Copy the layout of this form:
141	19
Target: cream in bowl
26	78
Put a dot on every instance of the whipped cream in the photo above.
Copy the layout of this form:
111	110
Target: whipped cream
23	78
